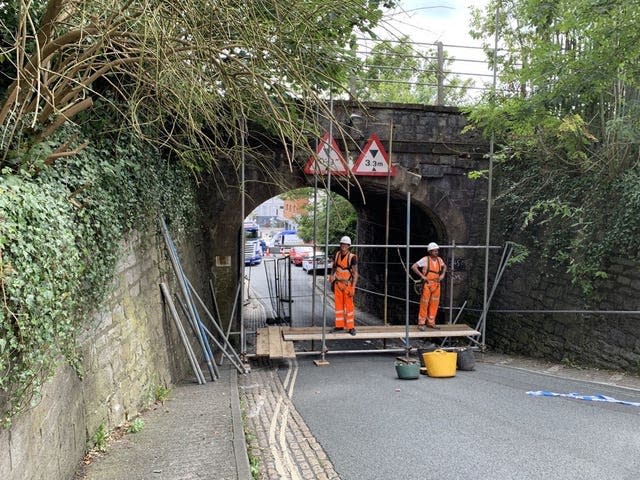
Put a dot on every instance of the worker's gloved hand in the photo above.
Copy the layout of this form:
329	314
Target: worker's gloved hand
352	291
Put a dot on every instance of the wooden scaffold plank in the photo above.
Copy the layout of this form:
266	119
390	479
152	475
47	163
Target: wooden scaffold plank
270	343
262	342
367	332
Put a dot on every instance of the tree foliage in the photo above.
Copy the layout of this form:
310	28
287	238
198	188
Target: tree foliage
398	71
184	75
342	220
565	117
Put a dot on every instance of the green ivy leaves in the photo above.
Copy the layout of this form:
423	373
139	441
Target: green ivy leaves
60	232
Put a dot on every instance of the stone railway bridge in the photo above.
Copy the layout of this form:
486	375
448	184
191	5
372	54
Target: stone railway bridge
433	158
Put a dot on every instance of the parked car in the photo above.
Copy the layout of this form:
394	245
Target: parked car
316	262
297	253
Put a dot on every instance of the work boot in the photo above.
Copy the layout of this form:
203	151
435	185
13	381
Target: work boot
422	328
434	327
352	331
337	329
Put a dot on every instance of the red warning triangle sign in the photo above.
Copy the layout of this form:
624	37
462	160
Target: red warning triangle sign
327	158
373	160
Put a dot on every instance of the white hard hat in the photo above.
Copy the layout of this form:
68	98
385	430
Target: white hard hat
346	240
432	246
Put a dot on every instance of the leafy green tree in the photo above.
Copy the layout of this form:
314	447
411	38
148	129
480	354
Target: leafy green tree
184	75
397	71
342	220
565	117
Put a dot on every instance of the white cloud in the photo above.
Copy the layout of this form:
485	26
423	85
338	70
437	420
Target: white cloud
430	21
426	22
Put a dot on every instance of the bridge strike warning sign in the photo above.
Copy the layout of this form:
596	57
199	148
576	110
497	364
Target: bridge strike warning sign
373	160
327	158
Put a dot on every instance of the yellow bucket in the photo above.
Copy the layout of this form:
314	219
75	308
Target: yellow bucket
440	363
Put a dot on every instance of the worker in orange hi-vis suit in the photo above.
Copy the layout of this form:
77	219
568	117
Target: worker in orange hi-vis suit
344	277
431	270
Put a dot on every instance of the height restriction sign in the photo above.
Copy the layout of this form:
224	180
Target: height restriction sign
373	160
327	158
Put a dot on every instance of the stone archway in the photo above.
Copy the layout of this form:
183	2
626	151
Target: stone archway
433	159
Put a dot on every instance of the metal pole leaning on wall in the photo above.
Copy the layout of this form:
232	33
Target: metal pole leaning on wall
233	354
200	325
236	302
243	345
183	335
177	268
506	254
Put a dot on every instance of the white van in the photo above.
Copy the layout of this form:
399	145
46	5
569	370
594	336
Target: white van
282	242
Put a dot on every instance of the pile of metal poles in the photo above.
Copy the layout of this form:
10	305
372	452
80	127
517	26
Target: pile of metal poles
191	312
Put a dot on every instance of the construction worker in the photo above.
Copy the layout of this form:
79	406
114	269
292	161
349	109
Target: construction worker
431	269
343	278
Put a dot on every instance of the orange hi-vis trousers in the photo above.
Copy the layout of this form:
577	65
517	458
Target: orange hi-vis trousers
429	302
345	313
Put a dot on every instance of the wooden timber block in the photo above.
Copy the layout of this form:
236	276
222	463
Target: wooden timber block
406	359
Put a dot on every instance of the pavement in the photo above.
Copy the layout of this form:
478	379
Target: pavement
199	432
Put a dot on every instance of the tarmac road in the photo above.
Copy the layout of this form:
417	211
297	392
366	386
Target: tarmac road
480	424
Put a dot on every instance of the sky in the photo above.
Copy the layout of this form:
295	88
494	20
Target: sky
436	20
447	21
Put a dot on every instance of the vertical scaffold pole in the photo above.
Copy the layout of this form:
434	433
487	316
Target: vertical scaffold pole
451	271
485	304
386	231
407	347
329	146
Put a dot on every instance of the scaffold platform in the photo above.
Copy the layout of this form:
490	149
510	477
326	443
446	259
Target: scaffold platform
370	332
276	342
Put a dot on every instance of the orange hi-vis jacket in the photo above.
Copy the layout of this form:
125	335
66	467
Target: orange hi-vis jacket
433	269
430	298
343	267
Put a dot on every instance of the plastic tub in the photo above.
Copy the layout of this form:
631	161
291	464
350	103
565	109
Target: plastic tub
440	363
408	371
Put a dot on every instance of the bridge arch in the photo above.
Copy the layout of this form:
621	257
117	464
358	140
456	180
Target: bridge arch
433	158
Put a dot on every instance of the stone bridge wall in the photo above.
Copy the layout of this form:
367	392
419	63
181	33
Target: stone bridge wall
434	159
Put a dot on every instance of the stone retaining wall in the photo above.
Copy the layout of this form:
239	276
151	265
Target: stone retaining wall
605	341
129	348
